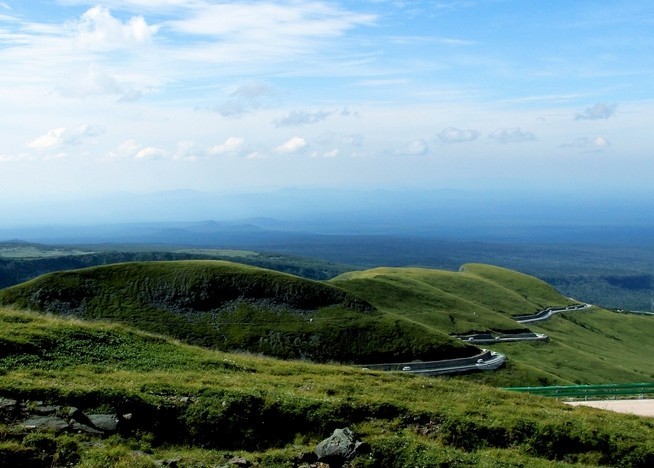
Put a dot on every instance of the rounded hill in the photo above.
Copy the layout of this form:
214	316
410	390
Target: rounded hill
230	306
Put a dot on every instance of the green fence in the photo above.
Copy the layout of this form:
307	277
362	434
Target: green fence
592	392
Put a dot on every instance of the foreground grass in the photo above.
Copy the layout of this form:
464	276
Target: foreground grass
201	407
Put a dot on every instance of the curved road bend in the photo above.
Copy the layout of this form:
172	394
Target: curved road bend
487	360
547	313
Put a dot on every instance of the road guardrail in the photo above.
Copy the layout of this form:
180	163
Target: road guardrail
591	392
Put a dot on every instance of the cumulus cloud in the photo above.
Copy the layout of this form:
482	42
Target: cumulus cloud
62	136
414	148
595	144
599	111
292	146
454	135
511	135
231	146
295	118
99	30
151	153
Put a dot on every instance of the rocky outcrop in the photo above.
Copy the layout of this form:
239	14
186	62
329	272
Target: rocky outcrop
35	416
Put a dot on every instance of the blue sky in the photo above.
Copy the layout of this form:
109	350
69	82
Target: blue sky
149	95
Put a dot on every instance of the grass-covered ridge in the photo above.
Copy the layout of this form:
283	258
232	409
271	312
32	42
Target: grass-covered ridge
585	347
200	407
229	306
476	298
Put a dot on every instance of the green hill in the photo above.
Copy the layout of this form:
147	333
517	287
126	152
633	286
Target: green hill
186	406
228	306
477	298
589	346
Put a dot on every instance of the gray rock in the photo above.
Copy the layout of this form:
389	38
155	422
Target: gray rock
45	423
78	415
339	448
239	461
104	422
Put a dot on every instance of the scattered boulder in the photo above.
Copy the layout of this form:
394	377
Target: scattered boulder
339	448
104	422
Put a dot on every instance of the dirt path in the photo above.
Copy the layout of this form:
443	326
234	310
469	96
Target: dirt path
639	407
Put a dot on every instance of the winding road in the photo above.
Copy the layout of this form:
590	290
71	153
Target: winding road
547	313
487	360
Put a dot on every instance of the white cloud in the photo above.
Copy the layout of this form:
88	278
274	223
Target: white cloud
414	148
454	135
256	155
599	111
511	135
151	153
296	118
62	136
263	21
99	30
294	145
231	146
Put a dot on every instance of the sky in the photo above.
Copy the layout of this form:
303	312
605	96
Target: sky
138	96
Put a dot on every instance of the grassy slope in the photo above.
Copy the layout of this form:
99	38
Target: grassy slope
479	297
229	306
594	346
272	412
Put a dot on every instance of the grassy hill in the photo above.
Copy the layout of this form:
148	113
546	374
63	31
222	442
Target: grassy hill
477	298
590	346
191	406
228	306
